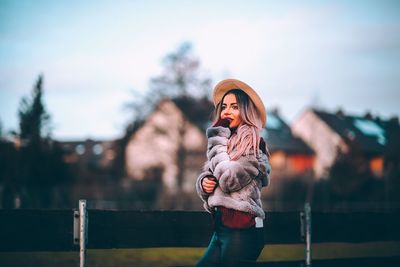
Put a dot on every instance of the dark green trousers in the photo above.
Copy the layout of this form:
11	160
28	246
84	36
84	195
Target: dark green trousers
232	247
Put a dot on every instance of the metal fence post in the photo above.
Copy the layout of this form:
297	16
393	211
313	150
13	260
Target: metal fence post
83	232
306	232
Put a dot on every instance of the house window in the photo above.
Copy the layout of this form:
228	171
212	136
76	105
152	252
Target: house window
273	122
372	129
376	166
110	154
278	160
301	163
80	149
97	149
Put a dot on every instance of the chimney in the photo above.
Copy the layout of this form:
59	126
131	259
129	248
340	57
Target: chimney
368	116
340	113
275	111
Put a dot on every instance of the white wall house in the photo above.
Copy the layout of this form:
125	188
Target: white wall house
325	142
156	145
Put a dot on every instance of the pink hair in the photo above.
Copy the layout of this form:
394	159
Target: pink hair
246	138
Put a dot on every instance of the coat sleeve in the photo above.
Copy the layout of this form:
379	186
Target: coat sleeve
265	169
232	175
207	172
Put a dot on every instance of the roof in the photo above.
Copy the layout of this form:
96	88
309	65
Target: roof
368	133
278	136
197	111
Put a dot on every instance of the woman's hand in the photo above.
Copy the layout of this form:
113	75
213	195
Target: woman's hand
209	184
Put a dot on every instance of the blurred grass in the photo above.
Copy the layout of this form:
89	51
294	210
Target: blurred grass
189	256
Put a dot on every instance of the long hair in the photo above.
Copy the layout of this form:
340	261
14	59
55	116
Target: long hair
246	138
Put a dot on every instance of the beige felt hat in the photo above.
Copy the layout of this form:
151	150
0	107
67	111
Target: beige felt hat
226	85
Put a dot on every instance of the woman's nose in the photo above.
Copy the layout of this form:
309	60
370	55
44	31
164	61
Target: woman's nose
227	111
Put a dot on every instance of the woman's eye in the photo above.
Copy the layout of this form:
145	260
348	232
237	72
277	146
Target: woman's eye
235	107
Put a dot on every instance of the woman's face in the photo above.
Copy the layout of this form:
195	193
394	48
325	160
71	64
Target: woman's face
230	110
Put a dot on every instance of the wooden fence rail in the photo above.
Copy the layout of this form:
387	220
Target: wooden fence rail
53	230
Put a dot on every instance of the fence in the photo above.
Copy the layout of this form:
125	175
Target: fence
69	230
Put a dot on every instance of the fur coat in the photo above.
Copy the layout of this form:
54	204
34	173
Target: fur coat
239	181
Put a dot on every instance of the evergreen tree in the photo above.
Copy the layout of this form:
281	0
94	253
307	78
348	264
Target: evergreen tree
40	165
33	118
8	170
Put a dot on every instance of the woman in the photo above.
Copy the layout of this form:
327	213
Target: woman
236	170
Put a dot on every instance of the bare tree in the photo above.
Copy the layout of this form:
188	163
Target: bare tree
187	84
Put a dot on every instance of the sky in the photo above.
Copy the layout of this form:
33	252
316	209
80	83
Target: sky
296	54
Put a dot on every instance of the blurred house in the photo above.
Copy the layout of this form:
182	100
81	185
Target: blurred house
91	164
292	165
89	154
168	144
290	156
333	134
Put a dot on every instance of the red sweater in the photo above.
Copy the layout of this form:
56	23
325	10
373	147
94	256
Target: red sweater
236	219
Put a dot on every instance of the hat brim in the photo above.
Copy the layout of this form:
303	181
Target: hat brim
225	86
